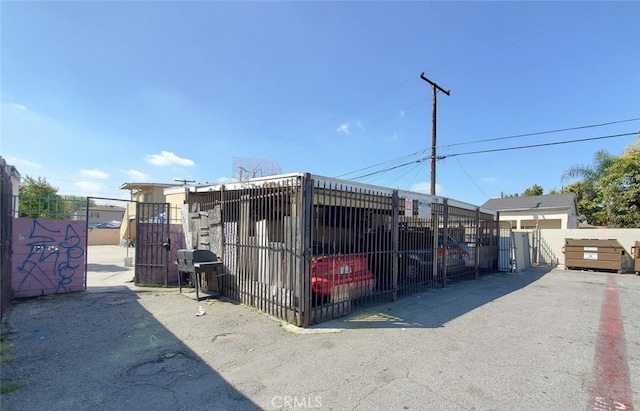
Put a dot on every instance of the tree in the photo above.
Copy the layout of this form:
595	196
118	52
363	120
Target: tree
39	199
633	147
591	174
534	190
589	205
588	193
621	190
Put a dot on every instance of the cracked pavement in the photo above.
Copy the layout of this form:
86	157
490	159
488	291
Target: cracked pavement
508	341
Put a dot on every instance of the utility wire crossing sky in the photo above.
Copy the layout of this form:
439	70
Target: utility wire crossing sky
96	94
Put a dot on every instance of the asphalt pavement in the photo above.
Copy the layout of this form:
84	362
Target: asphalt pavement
540	339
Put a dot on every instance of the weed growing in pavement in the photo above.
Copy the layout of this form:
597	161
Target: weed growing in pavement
5	345
7	386
10	386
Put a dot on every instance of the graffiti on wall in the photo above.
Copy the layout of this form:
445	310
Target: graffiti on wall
54	258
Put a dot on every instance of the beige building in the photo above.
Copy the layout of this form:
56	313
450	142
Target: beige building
99	214
143	193
530	212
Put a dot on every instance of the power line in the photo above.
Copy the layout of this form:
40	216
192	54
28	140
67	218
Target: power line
383	163
545	132
390	168
536	145
493	151
471	178
488	140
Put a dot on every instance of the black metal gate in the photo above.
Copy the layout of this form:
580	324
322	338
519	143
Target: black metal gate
153	243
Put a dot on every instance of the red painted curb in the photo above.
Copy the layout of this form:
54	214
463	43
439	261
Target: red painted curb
612	385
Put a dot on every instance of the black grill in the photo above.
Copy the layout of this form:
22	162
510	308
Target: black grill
196	262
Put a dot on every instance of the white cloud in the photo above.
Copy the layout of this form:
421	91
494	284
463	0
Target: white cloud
425	187
167	158
18	106
489	180
94	174
14	161
91	186
402	113
344	128
137	176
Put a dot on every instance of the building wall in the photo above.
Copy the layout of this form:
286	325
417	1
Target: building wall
103	236
127	228
176	201
150	195
545	220
555	238
102	216
48	257
99	215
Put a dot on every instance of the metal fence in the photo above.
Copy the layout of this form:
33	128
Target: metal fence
308	249
53	207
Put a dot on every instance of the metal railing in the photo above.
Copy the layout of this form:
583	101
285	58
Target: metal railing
52	207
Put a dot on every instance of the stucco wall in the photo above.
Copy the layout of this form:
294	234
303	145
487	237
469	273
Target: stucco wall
555	238
566	220
103	236
48	257
176	200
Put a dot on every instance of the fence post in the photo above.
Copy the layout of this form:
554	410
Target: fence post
445	240
476	251
395	201
305	287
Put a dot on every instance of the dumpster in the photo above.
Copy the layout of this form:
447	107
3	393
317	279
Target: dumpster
635	251
593	254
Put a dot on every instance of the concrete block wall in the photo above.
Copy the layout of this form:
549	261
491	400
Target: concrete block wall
48	257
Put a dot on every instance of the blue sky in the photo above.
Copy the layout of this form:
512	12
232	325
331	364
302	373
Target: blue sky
96	94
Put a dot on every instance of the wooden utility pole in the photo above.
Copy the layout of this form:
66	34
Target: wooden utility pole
433	130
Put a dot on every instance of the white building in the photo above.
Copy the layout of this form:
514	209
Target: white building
529	212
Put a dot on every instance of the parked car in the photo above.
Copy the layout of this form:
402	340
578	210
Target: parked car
417	265
457	255
338	277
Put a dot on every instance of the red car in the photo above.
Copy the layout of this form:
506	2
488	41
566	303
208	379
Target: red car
341	276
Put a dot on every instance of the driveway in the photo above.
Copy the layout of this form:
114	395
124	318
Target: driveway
532	340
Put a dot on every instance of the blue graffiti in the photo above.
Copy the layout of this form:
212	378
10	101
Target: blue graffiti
50	263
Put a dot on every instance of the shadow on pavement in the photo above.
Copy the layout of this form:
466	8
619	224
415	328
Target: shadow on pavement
435	308
105	268
104	350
